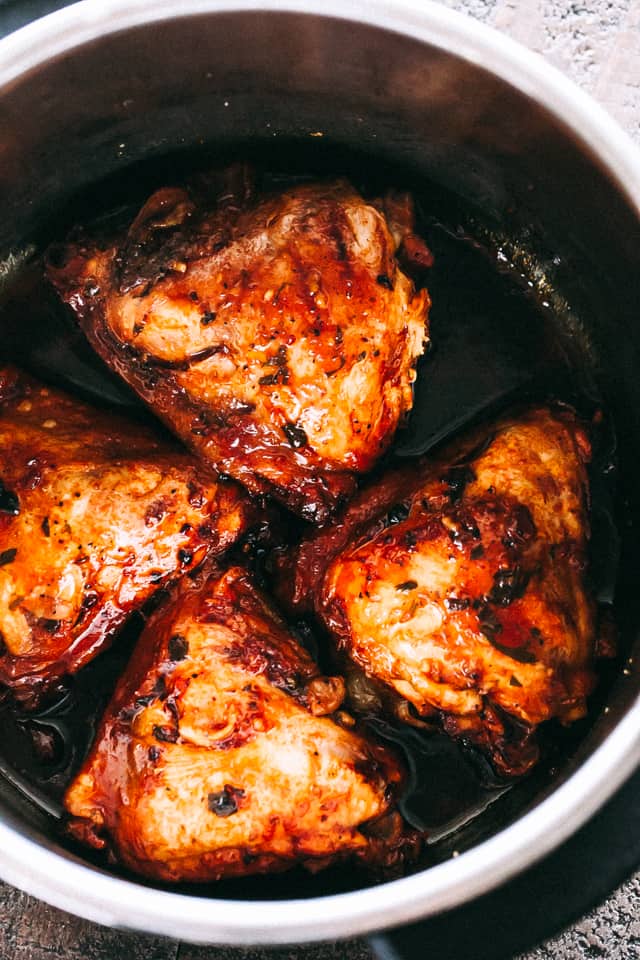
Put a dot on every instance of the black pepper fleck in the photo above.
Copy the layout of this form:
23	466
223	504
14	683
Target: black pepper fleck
521	654
457	603
397	513
295	435
224	802
407	585
165	734
457	479
178	647
145	700
508	585
9	502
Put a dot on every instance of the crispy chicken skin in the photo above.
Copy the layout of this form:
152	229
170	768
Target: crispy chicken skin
460	583
276	335
95	515
218	755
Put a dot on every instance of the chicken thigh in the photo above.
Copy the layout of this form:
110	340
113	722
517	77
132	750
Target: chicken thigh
277	336
221	753
460	583
95	515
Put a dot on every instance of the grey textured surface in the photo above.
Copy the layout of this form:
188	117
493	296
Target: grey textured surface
597	44
612	931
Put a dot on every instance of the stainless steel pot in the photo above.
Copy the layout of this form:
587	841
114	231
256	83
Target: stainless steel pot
93	87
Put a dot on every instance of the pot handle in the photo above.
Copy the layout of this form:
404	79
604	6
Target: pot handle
537	904
17	13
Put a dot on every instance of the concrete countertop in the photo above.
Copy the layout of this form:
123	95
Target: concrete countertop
597	44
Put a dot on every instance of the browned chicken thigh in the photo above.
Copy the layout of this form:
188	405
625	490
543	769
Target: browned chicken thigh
95	515
460	583
219	755
276	335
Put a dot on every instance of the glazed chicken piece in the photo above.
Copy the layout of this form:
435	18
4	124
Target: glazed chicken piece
221	753
277	336
460	583
95	515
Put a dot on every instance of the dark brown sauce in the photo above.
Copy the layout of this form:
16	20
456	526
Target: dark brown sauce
494	344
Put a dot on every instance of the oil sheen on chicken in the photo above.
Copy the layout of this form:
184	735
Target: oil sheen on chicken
460	583
95	515
222	754
276	335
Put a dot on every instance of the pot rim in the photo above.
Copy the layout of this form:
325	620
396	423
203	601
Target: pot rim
67	882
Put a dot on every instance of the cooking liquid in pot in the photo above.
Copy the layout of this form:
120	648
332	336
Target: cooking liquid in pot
496	341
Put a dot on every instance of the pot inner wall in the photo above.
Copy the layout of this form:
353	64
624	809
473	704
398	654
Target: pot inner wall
102	120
